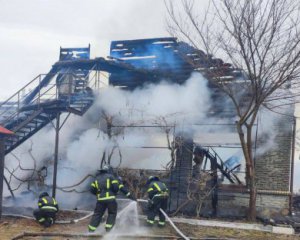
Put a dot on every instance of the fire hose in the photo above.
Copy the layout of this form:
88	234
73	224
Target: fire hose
91	213
169	219
59	221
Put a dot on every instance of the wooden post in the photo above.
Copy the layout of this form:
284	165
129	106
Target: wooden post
214	197
2	154
292	167
3	133
57	128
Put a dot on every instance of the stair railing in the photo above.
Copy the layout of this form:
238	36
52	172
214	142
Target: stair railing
222	165
91	80
11	108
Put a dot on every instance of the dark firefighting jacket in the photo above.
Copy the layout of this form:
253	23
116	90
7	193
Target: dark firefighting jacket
48	203
123	189
106	187
157	189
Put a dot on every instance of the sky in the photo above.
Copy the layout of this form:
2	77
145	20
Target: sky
32	32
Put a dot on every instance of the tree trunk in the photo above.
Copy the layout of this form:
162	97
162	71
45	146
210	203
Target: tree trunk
251	170
250	176
252	200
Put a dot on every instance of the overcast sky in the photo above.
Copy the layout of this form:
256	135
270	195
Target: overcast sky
32	31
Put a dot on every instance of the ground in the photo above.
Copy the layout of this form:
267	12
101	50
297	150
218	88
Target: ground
10	227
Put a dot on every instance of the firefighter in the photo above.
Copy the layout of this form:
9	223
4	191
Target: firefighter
124	190
158	199
106	187
47	210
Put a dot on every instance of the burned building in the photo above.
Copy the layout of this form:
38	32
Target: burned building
175	61
132	64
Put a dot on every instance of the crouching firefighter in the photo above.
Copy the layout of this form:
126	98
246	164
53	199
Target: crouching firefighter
158	199
106	187
47	210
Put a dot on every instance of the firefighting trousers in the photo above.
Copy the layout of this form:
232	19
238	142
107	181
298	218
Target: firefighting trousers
153	210
101	206
44	217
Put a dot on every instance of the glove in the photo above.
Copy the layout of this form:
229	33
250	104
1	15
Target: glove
150	204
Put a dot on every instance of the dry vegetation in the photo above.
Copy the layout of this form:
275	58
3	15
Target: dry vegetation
11	227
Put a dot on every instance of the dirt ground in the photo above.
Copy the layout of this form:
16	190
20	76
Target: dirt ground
11	227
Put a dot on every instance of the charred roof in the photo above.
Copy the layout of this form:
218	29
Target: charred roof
167	58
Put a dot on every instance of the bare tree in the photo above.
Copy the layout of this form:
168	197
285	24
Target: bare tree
260	38
107	126
198	191
35	176
166	128
31	176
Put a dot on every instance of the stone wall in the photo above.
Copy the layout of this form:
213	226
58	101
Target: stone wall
232	204
273	168
273	173
182	171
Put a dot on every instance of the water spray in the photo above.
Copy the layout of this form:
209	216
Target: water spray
169	219
91	213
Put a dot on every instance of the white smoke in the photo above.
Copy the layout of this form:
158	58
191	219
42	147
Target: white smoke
84	139
267	128
177	104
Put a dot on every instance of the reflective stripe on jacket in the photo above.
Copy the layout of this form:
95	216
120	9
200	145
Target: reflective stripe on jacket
124	190
48	203
105	187
157	189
